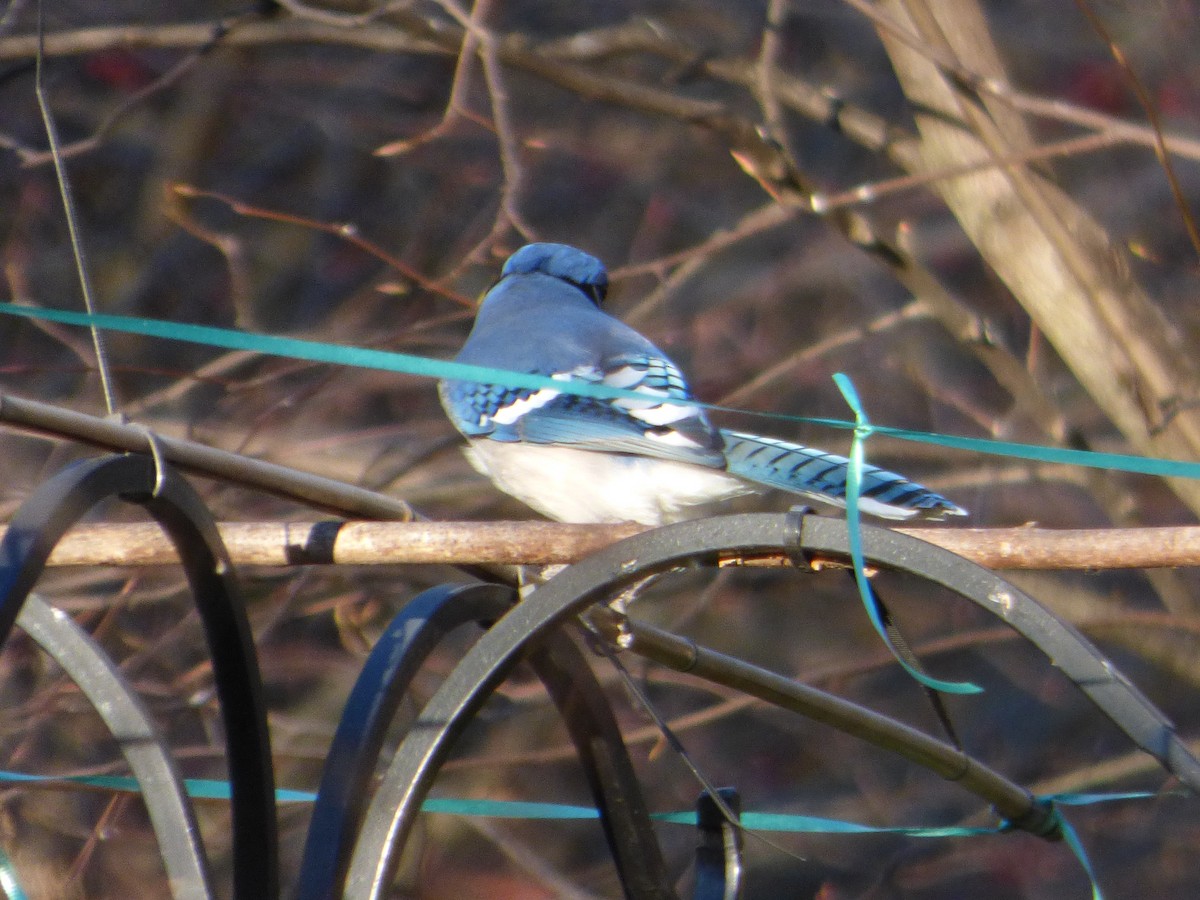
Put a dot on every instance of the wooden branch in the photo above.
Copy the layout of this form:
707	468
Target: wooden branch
545	543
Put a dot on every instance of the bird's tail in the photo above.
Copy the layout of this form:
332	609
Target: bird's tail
821	475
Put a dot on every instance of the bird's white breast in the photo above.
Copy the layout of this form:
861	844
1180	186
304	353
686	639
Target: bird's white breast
585	486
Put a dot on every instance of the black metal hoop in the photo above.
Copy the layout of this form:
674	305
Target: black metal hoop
41	522
338	818
149	759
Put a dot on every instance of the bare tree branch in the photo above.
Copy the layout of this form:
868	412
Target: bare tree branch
553	543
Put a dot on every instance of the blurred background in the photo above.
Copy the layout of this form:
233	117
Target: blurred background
357	173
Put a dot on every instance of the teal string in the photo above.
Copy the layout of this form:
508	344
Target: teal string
1071	838
796	824
318	351
863	430
507	809
209	789
1083	799
214	789
1139	465
337	354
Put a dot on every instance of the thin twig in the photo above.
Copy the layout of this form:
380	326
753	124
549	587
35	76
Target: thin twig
347	231
506	136
64	190
456	105
32	159
1148	106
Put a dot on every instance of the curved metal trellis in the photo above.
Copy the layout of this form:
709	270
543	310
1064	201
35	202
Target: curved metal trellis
41	522
149	759
410	637
398	798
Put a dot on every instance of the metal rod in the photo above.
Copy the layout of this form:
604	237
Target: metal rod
1013	802
110	434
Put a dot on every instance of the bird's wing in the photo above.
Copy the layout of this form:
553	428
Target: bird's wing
654	423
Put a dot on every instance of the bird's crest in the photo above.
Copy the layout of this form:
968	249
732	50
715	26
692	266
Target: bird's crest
561	261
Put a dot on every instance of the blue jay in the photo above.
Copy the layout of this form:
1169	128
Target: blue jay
578	459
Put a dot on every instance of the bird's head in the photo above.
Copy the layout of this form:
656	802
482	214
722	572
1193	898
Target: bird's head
564	262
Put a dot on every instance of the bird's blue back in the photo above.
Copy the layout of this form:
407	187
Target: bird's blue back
543	317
